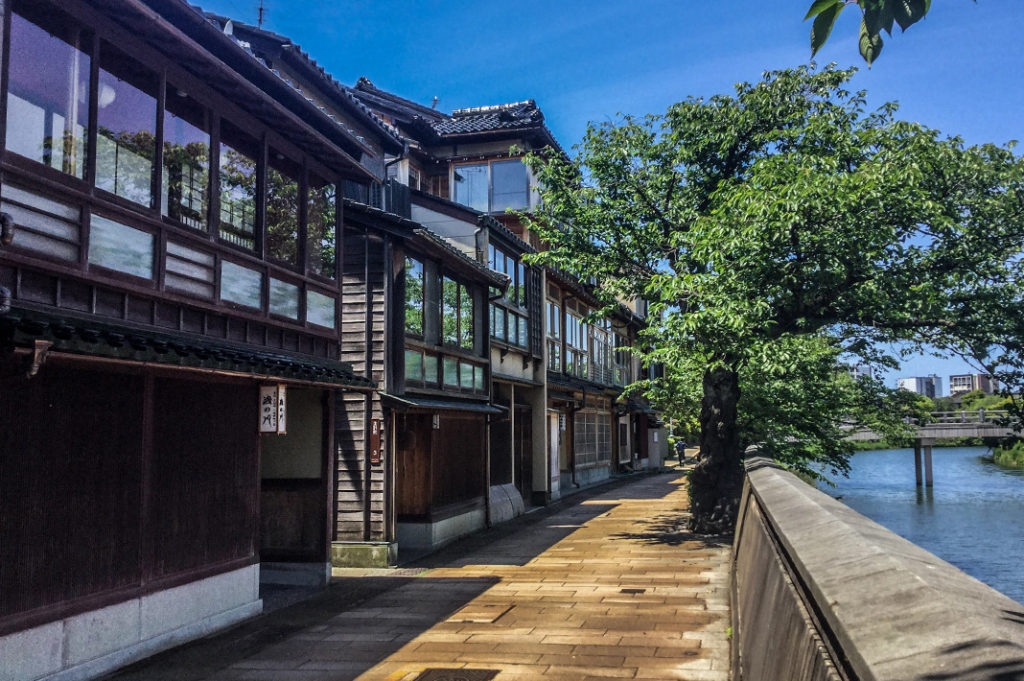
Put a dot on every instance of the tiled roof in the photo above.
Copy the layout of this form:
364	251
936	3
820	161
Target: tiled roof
494	278
487	118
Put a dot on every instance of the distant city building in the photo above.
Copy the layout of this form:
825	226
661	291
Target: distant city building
965	383
858	370
929	386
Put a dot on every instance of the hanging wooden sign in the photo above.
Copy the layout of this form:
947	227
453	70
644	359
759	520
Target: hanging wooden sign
273	409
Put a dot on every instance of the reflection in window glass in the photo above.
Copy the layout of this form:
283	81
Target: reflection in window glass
186	172
120	247
470	186
478	378
449	312
321	221
283	208
465	318
414	296
238	153
284	299
240	285
466	375
126	132
48	89
499	323
451	371
413	365
319	309
430	368
523	336
511	187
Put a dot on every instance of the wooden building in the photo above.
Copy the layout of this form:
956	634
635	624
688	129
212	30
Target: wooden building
170	285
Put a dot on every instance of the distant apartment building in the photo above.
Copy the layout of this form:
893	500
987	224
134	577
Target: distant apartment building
965	383
929	386
858	370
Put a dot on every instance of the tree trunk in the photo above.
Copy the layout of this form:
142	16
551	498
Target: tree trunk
717	480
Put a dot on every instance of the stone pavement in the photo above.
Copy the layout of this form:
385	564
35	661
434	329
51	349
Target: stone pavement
605	584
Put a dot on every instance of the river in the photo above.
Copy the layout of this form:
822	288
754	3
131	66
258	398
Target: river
973	517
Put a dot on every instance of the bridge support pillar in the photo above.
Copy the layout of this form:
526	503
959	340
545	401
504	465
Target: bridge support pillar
917	461
928	464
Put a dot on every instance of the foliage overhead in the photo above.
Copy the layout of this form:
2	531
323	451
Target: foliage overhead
876	16
778	229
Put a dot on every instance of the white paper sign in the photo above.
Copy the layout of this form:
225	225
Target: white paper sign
272	409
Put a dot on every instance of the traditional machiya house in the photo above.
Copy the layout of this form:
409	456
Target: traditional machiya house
594	433
439	410
567	426
171	346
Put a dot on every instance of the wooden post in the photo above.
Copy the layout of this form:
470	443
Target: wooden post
917	461
928	465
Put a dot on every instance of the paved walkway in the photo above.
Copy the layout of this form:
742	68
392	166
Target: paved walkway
607	584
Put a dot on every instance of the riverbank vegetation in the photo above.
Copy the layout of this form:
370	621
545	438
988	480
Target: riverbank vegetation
1011	456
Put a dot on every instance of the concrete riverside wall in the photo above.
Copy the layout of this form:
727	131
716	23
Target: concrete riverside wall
95	642
821	592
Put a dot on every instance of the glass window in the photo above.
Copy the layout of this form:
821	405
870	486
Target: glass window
499	323
523	335
126	127
521	285
451	372
414	296
48	88
413	365
465	375
186	171
283	208
471	186
321	223
430	368
319	309
284	299
511	187
465	318
120	247
478	378
449	311
238	154
241	285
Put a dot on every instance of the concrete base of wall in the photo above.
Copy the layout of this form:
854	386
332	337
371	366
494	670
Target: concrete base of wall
93	643
585	477
431	536
364	554
506	503
295	574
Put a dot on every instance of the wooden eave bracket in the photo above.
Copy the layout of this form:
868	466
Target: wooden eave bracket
40	350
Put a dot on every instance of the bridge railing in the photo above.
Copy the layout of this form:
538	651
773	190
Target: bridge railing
970	416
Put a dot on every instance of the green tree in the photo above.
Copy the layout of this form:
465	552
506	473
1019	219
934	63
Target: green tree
757	222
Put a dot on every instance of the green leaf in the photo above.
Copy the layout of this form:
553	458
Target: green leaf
909	12
822	26
819	6
870	44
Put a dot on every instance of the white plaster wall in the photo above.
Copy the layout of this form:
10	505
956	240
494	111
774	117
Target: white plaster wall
98	641
429	536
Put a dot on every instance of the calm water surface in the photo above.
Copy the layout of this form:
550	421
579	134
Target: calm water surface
973	517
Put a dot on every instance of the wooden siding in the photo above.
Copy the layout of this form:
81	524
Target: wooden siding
119	482
360	499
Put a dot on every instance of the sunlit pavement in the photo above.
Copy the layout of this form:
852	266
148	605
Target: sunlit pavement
607	585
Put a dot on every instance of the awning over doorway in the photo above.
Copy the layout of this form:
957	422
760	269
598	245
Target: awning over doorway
407	402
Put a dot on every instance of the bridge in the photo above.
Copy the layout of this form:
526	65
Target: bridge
945	424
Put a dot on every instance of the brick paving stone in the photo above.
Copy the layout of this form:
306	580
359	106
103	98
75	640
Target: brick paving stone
560	571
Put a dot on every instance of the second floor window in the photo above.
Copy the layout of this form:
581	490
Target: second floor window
492	186
186	172
456	314
414	296
238	153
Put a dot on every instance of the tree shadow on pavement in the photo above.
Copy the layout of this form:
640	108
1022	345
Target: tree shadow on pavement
672	529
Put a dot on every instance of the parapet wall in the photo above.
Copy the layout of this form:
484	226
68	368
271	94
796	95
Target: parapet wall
822	593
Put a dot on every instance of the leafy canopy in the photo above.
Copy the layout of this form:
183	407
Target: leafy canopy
779	229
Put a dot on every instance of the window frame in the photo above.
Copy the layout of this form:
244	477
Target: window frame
489	162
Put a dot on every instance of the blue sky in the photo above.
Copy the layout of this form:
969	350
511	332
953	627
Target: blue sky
961	70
